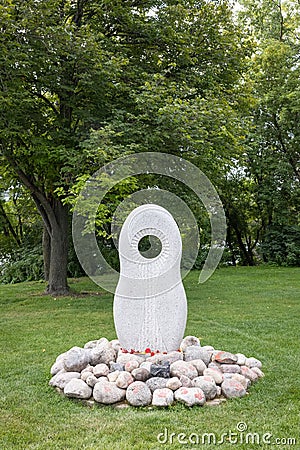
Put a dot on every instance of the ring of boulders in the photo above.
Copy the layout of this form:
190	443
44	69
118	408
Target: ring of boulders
102	373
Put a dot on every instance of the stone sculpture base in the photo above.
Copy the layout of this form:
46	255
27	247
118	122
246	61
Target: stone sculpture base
101	373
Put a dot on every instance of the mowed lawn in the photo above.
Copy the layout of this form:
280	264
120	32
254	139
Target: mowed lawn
255	311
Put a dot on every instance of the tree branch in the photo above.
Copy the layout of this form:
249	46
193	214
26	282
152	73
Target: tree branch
38	196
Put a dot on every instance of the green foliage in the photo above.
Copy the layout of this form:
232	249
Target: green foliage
25	264
281	245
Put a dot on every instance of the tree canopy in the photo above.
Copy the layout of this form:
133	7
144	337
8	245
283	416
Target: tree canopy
83	82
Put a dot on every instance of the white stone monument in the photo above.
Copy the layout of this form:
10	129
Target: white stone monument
150	305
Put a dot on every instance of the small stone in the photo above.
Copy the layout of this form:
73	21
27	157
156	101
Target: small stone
91	380
190	396
253	362
122	405
102	354
146	365
198	353
188	341
115	345
216	374
76	359
140	374
208	348
179	368
57	367
62	378
85	374
108	393
162	397
209	388
214	402
139	394
230	368
199	365
258	372
123	358
249	373
225	358
186	381
192	352
232	388
241	359
219	391
156	383
89	402
103	342
77	388
174	383
124	380
241	379
214	365
131	365
160	358
91	344
160	370
206	378
101	370
116	366
112	376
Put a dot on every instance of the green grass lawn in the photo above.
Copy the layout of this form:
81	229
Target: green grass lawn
255	311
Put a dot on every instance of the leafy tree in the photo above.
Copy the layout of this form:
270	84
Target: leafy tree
144	75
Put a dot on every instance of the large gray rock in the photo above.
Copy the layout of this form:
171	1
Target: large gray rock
249	373
62	378
108	393
241	379
113	376
124	380
179	368
190	396
258	372
199	365
123	358
131	365
241	359
77	389
138	394
160	358
230	368
209	388
102	354
225	358
195	352
140	374
232	388
91	380
162	397
253	362
76	359
186	381
215	373
189	341
173	383
58	365
156	383
101	370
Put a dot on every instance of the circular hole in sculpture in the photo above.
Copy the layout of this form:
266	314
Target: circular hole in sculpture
150	246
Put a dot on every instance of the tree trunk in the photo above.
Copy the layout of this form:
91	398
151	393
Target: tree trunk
57	283
46	252
55	219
